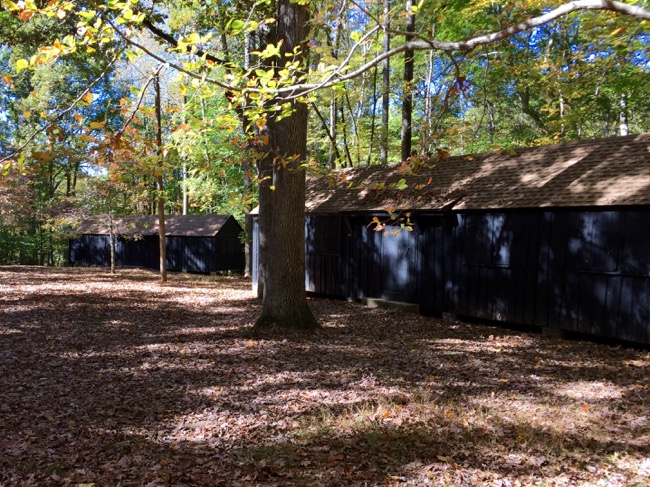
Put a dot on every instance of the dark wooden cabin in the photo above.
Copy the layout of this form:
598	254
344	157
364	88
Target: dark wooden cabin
194	243
554	236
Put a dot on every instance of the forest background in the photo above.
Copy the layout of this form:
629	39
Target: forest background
90	125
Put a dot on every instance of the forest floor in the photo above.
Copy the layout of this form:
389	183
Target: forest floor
114	380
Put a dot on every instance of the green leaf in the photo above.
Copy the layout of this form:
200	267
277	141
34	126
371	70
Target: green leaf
236	26
401	184
88	15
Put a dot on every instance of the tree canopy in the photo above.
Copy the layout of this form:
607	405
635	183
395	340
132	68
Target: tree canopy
254	93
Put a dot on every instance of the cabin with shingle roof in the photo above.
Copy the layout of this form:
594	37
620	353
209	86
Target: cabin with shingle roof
194	243
554	236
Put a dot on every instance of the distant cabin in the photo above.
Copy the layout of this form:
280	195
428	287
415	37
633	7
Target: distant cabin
555	236
194	243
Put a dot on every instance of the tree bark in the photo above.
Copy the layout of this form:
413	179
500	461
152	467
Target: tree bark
284	297
407	101
385	93
160	186
623	126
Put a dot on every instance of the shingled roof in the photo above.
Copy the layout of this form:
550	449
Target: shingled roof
175	226
613	171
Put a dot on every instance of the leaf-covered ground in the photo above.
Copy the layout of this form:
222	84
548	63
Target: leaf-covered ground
114	380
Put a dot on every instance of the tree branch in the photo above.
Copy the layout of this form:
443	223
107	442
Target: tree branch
140	99
155	56
57	116
466	45
173	42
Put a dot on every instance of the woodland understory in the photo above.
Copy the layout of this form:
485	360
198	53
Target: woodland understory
110	380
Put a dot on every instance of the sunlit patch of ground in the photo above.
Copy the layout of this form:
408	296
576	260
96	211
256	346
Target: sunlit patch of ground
118	380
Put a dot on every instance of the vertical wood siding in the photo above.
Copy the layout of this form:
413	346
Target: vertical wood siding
223	252
582	271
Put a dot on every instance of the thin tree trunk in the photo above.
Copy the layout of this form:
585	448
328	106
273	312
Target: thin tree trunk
185	194
373	118
623	125
249	47
162	233
385	93
326	130
355	129
332	132
407	101
345	139
111	232
333	102
265	221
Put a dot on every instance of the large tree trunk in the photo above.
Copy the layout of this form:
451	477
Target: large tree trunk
284	297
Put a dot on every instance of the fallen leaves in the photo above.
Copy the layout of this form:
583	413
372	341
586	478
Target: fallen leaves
113	379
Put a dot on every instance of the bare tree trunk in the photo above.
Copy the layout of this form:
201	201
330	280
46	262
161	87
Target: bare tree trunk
265	221
249	47
385	105
160	186
332	132
284	297
562	126
185	195
623	125
113	264
373	119
333	102
355	129
345	139
407	101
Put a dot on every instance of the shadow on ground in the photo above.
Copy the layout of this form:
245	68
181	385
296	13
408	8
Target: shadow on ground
116	380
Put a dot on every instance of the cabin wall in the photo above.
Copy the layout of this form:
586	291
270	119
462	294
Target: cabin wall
586	271
184	254
90	250
574	270
594	273
229	252
142	252
326	272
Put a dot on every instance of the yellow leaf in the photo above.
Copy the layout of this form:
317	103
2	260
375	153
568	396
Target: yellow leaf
27	114
21	64
11	6
7	80
272	187
618	31
78	118
88	97
97	125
